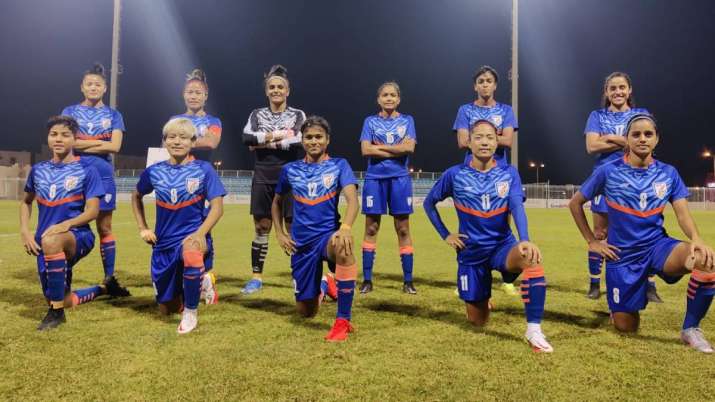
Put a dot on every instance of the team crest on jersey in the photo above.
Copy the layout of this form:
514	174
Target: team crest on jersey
202	130
660	188
192	184
106	123
71	182
502	188
328	180
401	130
496	119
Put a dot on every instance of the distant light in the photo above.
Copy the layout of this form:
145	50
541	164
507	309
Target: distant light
710	185
532	164
707	154
412	170
542	165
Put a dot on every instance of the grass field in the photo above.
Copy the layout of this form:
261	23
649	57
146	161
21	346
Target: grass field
406	347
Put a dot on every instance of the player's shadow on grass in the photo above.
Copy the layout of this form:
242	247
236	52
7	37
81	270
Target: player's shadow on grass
239	283
456	318
32	303
279	308
140	304
398	279
599	319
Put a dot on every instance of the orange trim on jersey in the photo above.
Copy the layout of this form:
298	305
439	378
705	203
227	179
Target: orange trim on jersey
180	205
407	250
630	211
703	276
480	214
346	273
60	201
316	201
366	245
55	257
103	136
536	271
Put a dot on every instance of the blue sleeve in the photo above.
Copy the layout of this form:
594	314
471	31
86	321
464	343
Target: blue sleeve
366	134
516	206
411	132
283	186
347	177
214	186
30	183
144	186
595	183
592	124
678	190
67	111
93	184
216	122
461	121
510	119
117	121
441	190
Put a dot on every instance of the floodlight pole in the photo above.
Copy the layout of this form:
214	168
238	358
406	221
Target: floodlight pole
515	77
114	70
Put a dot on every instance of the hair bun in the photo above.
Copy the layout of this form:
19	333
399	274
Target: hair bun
277	70
97	69
196	74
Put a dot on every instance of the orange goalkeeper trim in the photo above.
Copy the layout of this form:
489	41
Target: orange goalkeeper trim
703	276
343	273
55	257
407	250
193	258
537	271
368	246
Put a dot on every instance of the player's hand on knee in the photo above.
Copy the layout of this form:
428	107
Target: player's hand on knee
286	243
530	252
703	254
58	228
454	240
604	249
196	241
148	236
343	242
31	246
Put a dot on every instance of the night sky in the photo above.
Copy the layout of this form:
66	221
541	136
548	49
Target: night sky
338	52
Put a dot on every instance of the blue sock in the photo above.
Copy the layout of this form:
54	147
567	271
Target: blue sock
407	258
368	259
56	271
595	261
345	278
193	270
107	247
701	289
86	295
324	286
533	294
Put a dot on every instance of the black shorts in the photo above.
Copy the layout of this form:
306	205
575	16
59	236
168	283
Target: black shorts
262	199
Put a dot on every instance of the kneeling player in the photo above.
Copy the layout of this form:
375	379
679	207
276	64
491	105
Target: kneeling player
316	234
636	190
484	192
181	241
67	195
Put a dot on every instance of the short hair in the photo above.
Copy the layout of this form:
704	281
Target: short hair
313	121
181	124
389	84
642	116
486	69
483	121
97	69
67	121
197	75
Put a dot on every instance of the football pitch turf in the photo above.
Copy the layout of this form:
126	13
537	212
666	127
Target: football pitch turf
405	348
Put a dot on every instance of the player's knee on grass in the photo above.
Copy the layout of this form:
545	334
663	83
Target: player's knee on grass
478	312
51	244
343	256
170	307
626	322
307	308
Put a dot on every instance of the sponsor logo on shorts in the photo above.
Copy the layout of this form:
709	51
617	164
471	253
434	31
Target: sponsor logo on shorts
107	198
661	189
597	199
409	201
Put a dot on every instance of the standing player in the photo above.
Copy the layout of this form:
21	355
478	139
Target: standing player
100	136
180	242
485	107
636	189
387	139
605	137
208	137
274	133
67	194
485	193
317	234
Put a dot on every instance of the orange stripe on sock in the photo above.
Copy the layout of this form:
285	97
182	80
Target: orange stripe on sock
343	273
55	257
368	246
700	276
106	239
193	258
407	250
537	271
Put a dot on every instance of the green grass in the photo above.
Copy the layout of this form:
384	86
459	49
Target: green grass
406	347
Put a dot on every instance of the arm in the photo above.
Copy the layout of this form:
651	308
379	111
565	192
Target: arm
454	240
91	210
31	246
687	225
344	237
463	138
369	149
104	147
406	147
597	144
284	239
516	208
146	234
506	137
579	217
210	140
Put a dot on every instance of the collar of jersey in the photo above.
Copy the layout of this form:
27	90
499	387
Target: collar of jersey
58	164
379	114
492	166
625	160
322	159
189	159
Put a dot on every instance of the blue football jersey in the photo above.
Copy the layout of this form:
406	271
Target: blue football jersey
95	123
61	191
316	191
388	131
181	191
635	199
501	115
204	125
481	200
603	122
